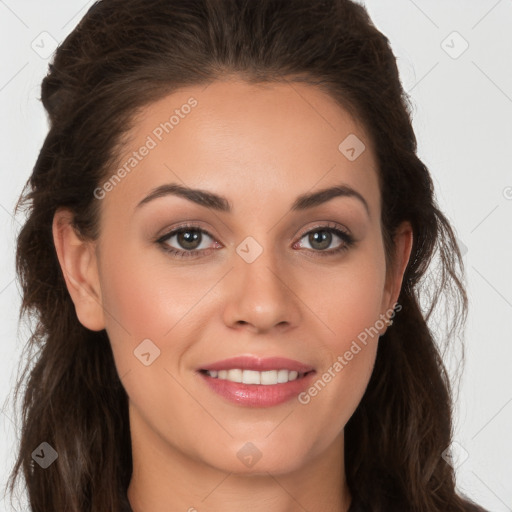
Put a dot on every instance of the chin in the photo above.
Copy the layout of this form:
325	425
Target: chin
254	459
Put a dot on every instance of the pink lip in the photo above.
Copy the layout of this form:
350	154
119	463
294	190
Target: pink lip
258	395
260	365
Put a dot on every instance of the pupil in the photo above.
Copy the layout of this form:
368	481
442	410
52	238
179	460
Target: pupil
187	239
324	239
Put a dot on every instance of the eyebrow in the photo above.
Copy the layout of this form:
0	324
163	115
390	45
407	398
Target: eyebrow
221	204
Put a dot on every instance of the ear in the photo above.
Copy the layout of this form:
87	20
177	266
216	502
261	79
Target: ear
77	258
403	241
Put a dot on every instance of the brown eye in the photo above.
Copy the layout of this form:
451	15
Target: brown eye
321	238
188	241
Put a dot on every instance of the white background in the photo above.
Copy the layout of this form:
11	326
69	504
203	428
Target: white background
462	118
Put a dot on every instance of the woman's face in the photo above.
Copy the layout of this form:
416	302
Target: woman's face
259	272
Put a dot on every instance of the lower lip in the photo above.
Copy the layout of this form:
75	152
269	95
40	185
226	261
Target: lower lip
258	395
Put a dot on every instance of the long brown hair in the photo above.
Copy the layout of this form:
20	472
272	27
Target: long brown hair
126	54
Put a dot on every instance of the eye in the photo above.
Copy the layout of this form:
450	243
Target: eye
189	239
321	237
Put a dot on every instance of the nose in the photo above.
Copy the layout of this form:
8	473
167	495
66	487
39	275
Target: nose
260	295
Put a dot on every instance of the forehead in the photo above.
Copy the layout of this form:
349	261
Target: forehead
250	140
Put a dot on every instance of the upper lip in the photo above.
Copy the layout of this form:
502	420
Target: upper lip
259	364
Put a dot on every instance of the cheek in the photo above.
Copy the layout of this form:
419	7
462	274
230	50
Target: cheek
145	301
140	300
141	290
349	357
351	314
146	298
353	302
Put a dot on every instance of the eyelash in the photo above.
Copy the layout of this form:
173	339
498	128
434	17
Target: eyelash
348	240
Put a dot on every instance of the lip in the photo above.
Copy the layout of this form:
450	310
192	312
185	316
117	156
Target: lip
259	364
258	395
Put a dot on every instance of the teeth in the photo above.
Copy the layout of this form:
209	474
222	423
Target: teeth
249	376
235	375
266	378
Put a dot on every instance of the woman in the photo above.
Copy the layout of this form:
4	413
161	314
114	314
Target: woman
228	225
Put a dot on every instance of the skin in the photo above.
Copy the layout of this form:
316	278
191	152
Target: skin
260	146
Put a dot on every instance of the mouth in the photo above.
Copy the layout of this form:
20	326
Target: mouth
255	382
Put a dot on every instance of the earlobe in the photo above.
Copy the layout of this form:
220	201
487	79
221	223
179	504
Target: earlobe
78	262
